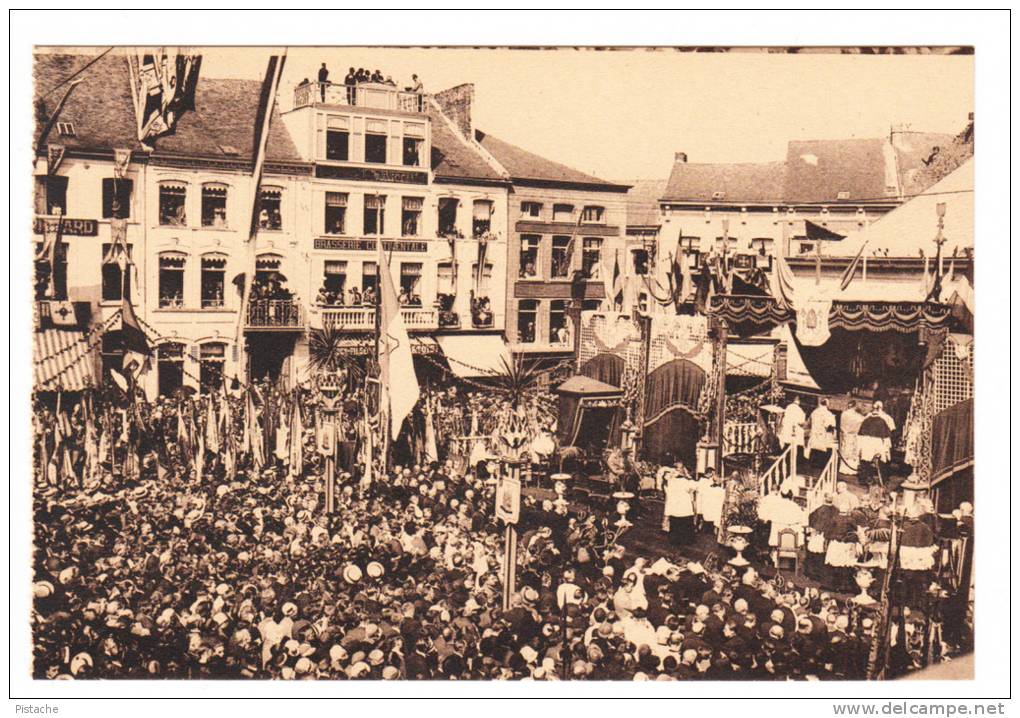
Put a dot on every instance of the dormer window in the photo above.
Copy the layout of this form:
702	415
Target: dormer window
66	129
843	194
718	196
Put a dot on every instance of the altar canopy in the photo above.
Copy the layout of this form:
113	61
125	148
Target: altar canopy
588	413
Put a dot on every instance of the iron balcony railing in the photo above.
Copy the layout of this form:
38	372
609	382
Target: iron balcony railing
274	314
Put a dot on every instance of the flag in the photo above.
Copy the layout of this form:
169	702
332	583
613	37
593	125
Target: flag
614	290
212	427
571	244
685	279
851	270
431	450
53	229
200	457
397	375
137	351
297	431
183	438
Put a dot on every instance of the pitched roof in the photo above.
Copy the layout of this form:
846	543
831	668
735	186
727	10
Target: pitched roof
524	165
222	124
453	157
103	114
643	202
743	182
100	106
914	151
820	170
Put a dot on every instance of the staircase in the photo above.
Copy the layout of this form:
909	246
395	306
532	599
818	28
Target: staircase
810	488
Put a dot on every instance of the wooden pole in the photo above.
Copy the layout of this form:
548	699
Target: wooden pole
509	564
720	398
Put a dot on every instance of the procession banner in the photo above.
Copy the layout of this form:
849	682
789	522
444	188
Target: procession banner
508	500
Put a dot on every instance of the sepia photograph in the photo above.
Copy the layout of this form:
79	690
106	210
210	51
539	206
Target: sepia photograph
569	363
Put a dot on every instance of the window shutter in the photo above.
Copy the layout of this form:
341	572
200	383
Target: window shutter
194	353
233	353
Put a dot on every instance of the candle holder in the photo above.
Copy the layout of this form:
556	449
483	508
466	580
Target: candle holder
863	578
622	507
560	487
739	543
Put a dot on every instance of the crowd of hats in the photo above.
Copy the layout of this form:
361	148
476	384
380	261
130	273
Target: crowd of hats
244	576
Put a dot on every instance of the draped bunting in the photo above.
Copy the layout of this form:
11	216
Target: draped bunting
763	313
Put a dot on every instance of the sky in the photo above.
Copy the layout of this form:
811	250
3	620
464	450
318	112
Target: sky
622	114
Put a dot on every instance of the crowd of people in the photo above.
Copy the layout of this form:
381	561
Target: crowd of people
196	564
361	76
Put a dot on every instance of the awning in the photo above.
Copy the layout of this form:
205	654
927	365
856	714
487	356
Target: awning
749	359
816	231
62	360
474	355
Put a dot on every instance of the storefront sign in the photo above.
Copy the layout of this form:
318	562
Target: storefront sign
72	227
371	174
369	245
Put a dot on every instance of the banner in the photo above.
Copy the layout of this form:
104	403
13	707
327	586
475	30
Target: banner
813	321
121	159
54	156
508	500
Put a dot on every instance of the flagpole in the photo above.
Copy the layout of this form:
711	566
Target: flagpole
384	416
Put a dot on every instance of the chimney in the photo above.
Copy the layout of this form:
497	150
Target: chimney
680	157
456	104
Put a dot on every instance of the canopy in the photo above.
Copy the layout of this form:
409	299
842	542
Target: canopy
586	386
474	355
588	412
744	359
62	360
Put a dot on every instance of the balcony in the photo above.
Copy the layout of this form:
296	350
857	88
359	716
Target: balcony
362	319
370	96
274	315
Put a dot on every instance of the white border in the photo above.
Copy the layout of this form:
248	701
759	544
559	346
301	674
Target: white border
988	32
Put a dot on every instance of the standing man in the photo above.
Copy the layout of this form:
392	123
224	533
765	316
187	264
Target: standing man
323	79
350	81
849	424
823	431
679	507
791	429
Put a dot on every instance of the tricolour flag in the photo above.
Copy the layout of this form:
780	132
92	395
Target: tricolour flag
397	375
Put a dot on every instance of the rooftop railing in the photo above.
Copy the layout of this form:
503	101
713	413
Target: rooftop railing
367	95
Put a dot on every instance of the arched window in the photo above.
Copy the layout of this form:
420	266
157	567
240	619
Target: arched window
170	367
214	205
173	196
171	279
214	266
270	208
212	358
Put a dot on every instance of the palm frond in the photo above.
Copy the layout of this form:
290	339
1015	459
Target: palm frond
327	350
516	379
